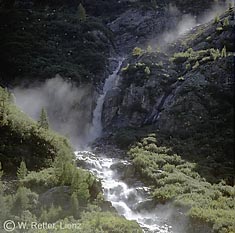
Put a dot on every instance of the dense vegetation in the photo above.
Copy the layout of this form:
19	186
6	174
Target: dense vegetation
188	161
24	139
39	42
174	179
199	122
185	152
57	192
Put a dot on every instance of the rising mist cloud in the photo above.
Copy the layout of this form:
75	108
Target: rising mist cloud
69	107
185	22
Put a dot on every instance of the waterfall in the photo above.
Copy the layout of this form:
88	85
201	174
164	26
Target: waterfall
96	126
132	199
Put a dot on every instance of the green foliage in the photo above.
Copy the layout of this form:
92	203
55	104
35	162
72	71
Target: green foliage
137	52
80	186
126	67
219	29
187	66
51	215
196	65
180	57
50	42
39	145
23	200
40	181
226	22
1	171
75	205
81	13
107	222
214	53
193	58
22	171
147	70
224	52
181	78
43	120
4	106
172	178
216	19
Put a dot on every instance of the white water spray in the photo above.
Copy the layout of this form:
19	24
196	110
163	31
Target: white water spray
128	199
96	127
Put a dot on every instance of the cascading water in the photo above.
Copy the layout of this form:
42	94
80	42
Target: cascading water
96	126
129	200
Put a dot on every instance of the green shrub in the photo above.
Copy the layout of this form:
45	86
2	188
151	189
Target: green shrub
137	51
147	70
107	222
172	178
196	65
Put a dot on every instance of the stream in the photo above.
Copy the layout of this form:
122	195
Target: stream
129	199
132	199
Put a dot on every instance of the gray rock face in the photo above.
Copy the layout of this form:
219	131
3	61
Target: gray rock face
57	196
135	27
172	96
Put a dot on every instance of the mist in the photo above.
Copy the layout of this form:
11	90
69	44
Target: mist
185	22
69	107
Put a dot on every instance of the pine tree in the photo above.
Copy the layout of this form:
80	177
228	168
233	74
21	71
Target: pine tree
81	13
4	106
43	120
75	205
80	187
22	171
21	202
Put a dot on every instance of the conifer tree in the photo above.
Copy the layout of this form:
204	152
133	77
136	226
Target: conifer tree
4	104
43	120
21	202
22	171
81	13
75	205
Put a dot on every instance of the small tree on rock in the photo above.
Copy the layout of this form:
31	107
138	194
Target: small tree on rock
224	52
137	51
81	13
43	120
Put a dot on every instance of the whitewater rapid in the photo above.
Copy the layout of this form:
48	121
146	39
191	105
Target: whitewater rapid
96	126
128	199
